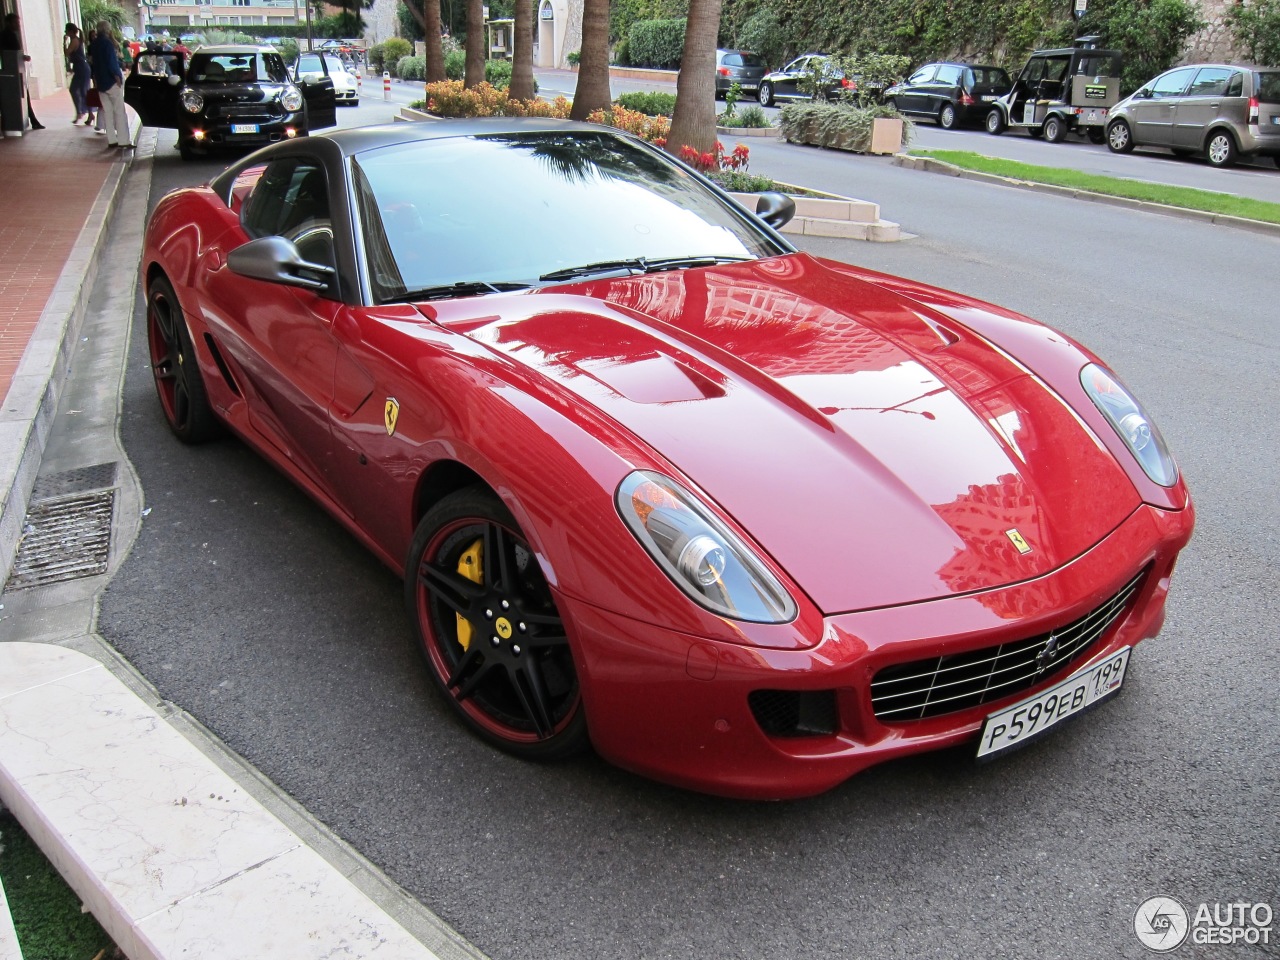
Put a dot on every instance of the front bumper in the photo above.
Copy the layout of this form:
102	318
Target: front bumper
205	134
676	707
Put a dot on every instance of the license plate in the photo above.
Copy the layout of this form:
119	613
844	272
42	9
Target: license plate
1023	722
988	98
244	128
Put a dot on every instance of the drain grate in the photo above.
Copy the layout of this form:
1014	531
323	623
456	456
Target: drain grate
64	539
97	477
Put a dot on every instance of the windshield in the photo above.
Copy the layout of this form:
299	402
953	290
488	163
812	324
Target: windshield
990	77
236	68
514	208
1268	87
335	64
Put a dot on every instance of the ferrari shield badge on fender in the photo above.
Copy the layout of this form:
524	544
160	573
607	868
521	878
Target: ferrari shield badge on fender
390	414
1014	536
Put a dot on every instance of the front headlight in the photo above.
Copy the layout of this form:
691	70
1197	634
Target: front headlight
291	100
192	102
697	551
1131	422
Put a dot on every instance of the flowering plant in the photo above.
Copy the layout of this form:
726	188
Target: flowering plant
710	162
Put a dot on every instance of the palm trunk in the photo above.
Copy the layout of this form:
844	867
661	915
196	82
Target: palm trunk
592	92
475	43
435	52
522	58
694	121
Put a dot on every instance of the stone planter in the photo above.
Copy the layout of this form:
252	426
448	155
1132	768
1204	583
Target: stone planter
830	215
408	113
886	135
747	131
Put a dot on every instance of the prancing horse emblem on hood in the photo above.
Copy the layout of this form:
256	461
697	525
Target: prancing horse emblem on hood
390	414
1018	541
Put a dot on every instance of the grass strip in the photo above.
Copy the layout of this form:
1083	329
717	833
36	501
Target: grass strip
1188	198
46	912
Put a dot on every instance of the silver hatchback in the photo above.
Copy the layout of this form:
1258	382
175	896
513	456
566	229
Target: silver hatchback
1220	111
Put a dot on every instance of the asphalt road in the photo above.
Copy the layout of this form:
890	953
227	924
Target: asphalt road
248	607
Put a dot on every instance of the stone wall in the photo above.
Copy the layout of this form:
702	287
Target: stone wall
380	21
1215	43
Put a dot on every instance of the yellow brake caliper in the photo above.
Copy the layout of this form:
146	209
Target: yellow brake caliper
471	566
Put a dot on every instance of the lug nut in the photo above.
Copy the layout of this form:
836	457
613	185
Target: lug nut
488	614
521	627
505	605
516	649
495	641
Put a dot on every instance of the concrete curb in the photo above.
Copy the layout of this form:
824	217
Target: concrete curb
930	165
32	401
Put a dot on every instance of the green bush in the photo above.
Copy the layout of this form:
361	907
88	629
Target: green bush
751	117
622	53
455	65
92	12
838	126
393	49
288	48
498	73
650	104
573	58
763	33
656	43
736	181
1256	26
411	68
377	56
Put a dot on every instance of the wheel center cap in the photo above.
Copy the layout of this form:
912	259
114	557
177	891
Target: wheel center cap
503	627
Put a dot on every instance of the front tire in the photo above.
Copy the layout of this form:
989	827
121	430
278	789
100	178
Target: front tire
1119	137
947	117
766	94
995	121
1221	150
487	624
175	369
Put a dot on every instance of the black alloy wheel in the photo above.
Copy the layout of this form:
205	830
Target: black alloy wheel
488	626
179	383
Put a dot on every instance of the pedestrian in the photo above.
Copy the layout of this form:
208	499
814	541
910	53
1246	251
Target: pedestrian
11	40
73	46
109	79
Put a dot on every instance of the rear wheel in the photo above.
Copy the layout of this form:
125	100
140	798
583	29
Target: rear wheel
995	121
1221	150
1097	135
175	369
1036	132
488	626
947	117
766	94
1055	130
1119	137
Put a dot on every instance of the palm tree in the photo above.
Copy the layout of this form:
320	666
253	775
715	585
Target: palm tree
522	58
694	121
592	92
431	27
475	43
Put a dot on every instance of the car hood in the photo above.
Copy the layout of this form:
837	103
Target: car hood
239	92
881	453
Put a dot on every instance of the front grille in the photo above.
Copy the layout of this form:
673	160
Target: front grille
940	685
250	111
794	713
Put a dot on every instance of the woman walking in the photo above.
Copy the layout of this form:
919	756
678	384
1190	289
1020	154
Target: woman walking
73	46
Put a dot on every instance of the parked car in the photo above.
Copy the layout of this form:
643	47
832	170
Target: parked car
791	82
227	96
741	67
1220	111
1061	91
741	518
951	93
313	67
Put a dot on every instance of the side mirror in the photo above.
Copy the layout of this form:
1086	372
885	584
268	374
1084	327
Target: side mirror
775	209
1143	94
276	260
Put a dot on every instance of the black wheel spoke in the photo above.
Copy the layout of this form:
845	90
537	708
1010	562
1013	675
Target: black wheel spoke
542	619
477	677
164	322
546	641
497	559
532	692
164	370
452	589
465	663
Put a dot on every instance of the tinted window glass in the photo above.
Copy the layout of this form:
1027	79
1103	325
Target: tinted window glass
922	75
291	200
309	65
989	77
797	65
236	68
1095	65
1172	84
949	75
1267	87
1235	88
589	197
732	60
753	60
1210	82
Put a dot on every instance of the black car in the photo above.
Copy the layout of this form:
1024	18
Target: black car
951	93
741	67
789	82
227	96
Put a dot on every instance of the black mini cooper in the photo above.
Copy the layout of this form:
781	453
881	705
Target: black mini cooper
227	96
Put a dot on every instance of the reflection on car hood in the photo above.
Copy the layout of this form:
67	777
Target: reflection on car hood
881	453
238	92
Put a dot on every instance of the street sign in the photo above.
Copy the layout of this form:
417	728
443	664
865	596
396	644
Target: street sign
1081	7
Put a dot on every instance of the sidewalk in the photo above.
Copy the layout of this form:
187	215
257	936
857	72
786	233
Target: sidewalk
178	847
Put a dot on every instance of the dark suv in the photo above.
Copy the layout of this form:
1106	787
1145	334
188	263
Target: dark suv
792	81
741	67
951	93
227	96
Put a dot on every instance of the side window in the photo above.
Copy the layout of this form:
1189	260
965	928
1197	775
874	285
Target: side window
949	75
733	59
310	67
1172	84
1235	86
291	200
1210	82
923	75
797	65
1033	73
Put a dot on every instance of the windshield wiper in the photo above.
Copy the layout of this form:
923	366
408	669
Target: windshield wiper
464	288
639	265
